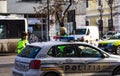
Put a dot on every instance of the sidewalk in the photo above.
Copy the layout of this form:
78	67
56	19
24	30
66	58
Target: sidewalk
7	58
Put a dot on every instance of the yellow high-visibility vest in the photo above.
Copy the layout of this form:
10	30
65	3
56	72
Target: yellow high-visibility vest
21	45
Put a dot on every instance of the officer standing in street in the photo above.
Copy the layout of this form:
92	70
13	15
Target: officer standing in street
63	31
22	42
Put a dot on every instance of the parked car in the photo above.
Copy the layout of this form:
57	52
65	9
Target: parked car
111	45
65	59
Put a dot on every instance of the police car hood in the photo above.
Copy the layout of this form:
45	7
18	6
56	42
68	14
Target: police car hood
114	56
108	41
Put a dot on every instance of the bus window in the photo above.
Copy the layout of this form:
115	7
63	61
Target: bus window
11	28
2	31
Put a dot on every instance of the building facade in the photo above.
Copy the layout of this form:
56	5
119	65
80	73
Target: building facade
100	10
117	15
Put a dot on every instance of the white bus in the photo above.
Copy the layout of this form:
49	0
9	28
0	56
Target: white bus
10	31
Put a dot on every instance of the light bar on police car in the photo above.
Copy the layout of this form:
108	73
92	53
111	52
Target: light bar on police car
64	38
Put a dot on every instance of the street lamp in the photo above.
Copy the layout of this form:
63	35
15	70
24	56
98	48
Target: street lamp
48	37
110	28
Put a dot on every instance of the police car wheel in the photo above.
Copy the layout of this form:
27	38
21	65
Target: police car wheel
116	71
118	50
51	74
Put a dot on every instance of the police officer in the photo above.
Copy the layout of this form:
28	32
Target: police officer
63	31
22	42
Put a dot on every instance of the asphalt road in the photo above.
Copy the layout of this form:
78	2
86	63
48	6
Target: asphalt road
6	64
6	70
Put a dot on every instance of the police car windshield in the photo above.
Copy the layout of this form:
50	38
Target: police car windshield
30	52
115	37
80	31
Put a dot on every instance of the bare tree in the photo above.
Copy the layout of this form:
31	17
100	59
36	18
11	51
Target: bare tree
57	10
60	13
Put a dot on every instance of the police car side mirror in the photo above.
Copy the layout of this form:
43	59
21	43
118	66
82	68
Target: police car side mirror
105	55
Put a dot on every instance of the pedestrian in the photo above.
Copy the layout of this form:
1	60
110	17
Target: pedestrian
32	37
22	42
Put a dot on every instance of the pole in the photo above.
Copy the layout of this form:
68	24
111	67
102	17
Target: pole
112	28
101	21
48	21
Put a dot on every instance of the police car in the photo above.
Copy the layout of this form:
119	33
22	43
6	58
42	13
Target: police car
65	59
111	45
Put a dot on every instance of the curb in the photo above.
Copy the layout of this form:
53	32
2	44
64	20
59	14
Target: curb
7	54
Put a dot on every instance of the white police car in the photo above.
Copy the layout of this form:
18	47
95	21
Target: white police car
65	59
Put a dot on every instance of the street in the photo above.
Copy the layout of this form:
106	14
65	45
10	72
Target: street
6	64
6	70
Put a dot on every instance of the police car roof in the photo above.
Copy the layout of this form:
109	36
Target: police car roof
52	43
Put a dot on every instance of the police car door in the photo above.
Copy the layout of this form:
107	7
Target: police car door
66	57
91	61
71	60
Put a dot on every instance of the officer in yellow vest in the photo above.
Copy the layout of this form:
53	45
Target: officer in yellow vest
22	42
63	31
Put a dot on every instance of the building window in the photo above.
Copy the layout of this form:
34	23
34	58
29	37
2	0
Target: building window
87	23
71	16
99	2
